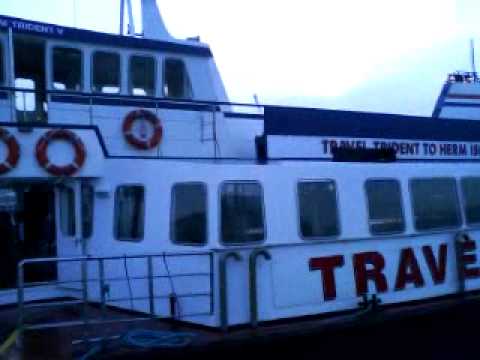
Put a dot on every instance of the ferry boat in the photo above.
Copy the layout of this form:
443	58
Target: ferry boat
129	180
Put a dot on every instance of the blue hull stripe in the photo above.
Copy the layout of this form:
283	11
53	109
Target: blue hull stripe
312	122
243	116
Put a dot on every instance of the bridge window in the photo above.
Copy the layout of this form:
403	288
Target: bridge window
142	76
435	203
129	213
471	197
106	72
67	69
2	64
67	211
242	212
318	209
189	214
176	80
384	206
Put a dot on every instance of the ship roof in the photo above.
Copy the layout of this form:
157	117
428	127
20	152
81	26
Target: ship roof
47	30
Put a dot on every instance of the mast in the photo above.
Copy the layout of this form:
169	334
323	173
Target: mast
131	22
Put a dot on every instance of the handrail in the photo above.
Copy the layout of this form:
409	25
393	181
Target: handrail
223	287
253	283
131	97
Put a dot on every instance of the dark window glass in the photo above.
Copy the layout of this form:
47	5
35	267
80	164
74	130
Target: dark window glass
384	206
2	64
67	211
471	196
176	80
435	203
318	209
106	72
189	214
242	213
67	69
142	76
129	213
87	210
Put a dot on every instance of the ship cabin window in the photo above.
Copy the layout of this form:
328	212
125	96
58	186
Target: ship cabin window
242	215
129	213
177	83
88	198
385	206
2	64
318	209
106	72
435	203
142	76
471	197
189	214
67	69
67	211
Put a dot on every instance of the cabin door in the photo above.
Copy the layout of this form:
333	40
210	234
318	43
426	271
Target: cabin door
29	66
27	228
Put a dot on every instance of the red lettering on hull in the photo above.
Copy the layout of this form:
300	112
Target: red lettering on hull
437	266
364	275
408	270
327	266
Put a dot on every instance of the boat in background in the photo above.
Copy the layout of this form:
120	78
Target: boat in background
130	181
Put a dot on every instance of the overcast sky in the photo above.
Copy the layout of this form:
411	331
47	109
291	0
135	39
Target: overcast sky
377	55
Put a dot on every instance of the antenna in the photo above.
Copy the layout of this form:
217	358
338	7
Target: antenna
131	22
122	15
472	53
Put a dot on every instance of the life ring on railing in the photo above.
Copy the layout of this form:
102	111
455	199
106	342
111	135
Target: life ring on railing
13	151
132	139
65	170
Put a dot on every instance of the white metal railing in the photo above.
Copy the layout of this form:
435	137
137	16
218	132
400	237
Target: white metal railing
153	286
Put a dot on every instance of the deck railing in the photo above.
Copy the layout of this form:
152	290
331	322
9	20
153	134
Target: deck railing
152	286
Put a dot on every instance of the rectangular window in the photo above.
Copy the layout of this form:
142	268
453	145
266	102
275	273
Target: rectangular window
435	203
129	213
106	72
189	214
176	80
88	198
2	64
142	76
318	209
67	69
67	211
384	206
242	212
471	197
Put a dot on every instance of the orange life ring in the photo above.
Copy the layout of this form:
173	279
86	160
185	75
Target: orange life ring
13	151
65	170
146	144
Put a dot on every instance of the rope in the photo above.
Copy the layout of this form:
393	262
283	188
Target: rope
170	279
130	291
148	339
8	343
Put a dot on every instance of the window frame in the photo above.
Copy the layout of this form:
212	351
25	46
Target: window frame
463	202
207	214
71	212
155	74
264	214
115	221
92	71
338	212
3	64
164	62
458	210
402	207
82	68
